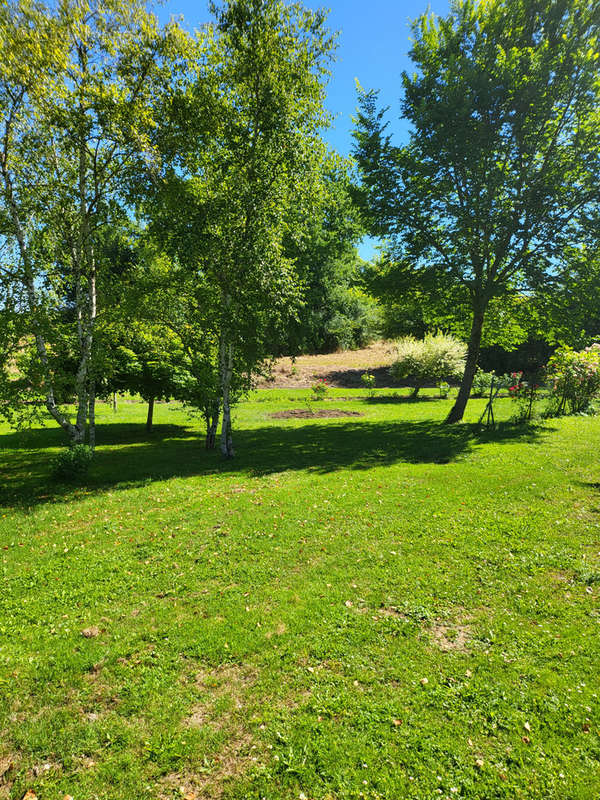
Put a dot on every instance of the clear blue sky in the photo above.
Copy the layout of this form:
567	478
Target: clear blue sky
373	45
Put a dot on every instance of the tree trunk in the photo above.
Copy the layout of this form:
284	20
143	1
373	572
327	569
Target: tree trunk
150	417
415	392
458	409
114	402
226	370
29	282
92	415
212	423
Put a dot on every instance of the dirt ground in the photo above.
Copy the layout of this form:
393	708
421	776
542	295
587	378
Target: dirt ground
341	369
304	413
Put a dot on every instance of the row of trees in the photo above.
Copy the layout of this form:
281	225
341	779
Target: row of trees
170	216
165	200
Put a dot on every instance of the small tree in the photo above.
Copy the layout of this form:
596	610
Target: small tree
147	361
429	360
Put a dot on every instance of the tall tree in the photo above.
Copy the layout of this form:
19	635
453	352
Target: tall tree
244	147
76	82
322	241
503	157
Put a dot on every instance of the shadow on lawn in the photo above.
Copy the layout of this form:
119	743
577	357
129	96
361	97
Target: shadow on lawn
174	451
397	398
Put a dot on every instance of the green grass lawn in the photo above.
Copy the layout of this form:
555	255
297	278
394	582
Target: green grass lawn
375	607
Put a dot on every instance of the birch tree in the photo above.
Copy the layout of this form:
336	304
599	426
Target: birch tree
76	83
243	147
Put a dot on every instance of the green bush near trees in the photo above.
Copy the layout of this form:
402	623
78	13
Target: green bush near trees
574	377
429	360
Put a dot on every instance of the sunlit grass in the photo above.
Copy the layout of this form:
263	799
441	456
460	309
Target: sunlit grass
378	607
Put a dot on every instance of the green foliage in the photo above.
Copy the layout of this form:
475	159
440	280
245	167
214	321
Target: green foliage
73	463
570	305
444	389
354	320
574	377
482	383
144	359
503	163
428	360
335	313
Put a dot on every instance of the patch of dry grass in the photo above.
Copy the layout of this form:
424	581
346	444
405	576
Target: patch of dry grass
342	369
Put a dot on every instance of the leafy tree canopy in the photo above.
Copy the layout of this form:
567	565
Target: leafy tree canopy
504	154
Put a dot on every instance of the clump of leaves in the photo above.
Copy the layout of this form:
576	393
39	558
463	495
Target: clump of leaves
430	360
73	463
482	383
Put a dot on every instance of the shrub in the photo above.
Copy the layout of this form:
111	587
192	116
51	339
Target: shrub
435	358
444	388
525	394
482	383
574	377
368	381
73	463
319	389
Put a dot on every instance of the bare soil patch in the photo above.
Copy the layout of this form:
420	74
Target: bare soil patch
232	683
448	636
304	413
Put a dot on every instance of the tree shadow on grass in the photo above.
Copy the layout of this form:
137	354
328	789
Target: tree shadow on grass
351	378
379	399
128	457
112	433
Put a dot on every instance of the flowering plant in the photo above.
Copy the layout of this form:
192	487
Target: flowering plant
517	385
574	377
319	389
525	393
368	381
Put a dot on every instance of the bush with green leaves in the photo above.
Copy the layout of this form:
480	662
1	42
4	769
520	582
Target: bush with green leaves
435	358
574	378
73	462
482	383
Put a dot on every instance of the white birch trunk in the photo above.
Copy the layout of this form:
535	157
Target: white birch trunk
40	342
226	371
92	415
